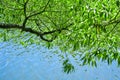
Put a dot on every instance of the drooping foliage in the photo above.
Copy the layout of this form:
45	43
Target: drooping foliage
86	28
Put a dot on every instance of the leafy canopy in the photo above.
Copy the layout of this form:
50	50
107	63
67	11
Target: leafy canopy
86	28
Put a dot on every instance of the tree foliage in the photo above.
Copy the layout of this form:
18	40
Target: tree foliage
91	27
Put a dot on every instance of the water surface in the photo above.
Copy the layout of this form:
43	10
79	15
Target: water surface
38	63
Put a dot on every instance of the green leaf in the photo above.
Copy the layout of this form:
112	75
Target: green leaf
119	61
68	67
118	3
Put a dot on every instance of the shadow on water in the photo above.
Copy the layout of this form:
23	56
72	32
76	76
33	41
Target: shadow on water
38	63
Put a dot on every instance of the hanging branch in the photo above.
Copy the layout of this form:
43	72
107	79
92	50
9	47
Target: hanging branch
34	14
41	34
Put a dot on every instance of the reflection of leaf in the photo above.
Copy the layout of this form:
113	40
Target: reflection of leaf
84	62
5	37
119	61
115	55
67	67
109	61
65	62
94	63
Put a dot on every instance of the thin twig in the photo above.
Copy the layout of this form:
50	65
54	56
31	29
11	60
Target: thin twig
35	14
25	14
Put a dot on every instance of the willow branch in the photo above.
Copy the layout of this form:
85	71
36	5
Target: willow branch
41	34
108	23
34	14
16	26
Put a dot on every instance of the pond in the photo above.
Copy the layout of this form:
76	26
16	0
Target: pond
36	62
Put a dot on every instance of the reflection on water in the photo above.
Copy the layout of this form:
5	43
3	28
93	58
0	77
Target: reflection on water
38	63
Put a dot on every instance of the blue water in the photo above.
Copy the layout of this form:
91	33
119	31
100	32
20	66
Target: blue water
38	63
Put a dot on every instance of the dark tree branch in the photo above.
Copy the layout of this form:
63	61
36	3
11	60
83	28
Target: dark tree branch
16	26
44	24
116	15
25	7
35	14
113	28
111	22
51	20
57	30
108	23
25	14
